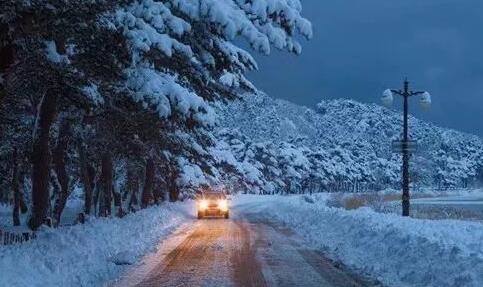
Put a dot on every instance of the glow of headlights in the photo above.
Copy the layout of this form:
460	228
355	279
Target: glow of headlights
203	204
223	204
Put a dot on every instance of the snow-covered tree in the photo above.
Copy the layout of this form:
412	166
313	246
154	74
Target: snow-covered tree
89	85
348	144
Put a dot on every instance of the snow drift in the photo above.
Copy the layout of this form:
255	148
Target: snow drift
89	254
397	251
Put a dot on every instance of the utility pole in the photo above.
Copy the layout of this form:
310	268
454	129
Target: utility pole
406	146
405	175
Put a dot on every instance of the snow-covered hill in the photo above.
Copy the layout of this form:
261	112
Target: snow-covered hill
342	144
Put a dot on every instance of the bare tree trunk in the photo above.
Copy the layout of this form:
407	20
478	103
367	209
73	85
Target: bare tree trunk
87	178
41	160
126	190
59	158
16	191
147	195
172	186
106	182
117	202
97	198
21	194
157	192
133	188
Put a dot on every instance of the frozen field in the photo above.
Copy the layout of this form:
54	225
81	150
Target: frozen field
465	207
425	204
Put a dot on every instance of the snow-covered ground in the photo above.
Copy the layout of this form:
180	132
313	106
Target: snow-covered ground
397	251
73	207
5	215
90	254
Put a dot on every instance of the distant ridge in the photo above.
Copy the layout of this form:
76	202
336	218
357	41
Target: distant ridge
363	132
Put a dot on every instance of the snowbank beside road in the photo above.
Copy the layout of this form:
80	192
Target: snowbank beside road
86	255
397	251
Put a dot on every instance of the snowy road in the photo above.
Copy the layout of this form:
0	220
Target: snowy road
244	251
166	246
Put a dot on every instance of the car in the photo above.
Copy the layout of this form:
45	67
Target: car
213	204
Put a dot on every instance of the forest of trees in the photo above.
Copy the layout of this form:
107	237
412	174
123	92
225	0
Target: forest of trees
340	146
115	96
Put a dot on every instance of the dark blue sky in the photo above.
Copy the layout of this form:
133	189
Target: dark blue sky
361	47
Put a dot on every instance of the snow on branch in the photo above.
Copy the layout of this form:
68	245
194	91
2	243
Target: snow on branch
92	93
53	55
162	92
260	22
149	24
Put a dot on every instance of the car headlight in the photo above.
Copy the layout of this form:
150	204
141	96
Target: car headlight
223	204
203	204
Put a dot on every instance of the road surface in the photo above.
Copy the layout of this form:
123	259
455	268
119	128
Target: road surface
246	250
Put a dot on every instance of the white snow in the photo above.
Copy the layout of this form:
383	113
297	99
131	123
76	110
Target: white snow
74	205
341	141
5	215
166	95
53	55
230	80
190	175
92	93
148	24
397	251
90	254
